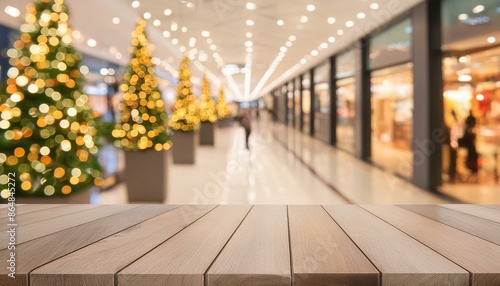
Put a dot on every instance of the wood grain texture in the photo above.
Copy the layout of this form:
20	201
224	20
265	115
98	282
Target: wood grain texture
481	211
322	254
481	258
38	216
97	263
258	253
24	209
183	259
38	252
479	227
495	207
401	259
29	232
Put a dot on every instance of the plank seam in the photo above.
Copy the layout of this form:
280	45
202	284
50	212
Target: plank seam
379	271
29	272
470	274
290	247
115	276
205	278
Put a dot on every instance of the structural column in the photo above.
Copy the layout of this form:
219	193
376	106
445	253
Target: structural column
312	109
362	106
301	88
428	131
333	101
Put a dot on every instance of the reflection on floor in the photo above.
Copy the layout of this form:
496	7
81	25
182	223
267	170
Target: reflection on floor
278	170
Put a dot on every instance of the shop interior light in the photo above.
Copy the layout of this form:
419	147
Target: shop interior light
478	9
12	11
464	78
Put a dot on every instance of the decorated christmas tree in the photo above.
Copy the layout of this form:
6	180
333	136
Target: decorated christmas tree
185	113
47	130
222	108
143	119
207	103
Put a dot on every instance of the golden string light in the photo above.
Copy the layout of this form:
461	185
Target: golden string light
222	108
207	103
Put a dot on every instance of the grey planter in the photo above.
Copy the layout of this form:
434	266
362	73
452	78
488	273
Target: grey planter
226	122
146	175
184	148
82	197
207	134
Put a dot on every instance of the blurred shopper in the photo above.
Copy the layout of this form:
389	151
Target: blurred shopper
246	123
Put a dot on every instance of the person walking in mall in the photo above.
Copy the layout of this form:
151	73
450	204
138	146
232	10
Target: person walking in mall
246	123
468	141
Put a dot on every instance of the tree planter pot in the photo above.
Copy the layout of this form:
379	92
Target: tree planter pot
226	122
82	197
146	175
184	148
207	134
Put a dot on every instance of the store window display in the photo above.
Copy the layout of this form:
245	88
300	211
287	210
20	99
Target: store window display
290	104
346	100
322	102
296	98
471	73
306	103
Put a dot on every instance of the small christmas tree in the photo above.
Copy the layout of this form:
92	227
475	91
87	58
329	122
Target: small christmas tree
222	107
185	114
207	103
143	119
47	131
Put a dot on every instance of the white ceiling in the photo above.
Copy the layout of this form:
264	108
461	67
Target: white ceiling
225	20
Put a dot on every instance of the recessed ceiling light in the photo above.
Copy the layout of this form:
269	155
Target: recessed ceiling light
116	20
249	49
205	34
283	49
166	34
303	61
492	40
249	43
147	15
175	41
340	32
174	26
184	29
314	53
361	15
157	23
251	6
190	5
331	39
250	22
118	56
167	12
374	6
249	35
210	41
311	7
92	43
12	11
136	4
478	9
288	44
213	47
349	24
280	22
292	38
331	20
324	45
304	19
182	49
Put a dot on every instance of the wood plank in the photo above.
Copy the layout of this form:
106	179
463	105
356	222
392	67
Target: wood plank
183	259
495	207
480	257
35	253
34	231
322	254
24	209
97	263
34	217
401	259
476	210
258	253
477	226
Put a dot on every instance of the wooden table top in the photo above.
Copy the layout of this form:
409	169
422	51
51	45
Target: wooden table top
253	245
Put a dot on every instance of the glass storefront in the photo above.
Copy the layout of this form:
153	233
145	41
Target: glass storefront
346	99
392	119
306	103
322	102
297	102
471	73
290	102
346	114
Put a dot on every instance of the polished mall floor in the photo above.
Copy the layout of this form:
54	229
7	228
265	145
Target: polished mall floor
284	166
